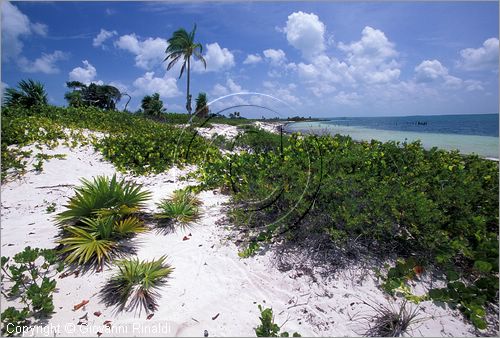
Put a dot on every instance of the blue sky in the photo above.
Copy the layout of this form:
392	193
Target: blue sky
312	59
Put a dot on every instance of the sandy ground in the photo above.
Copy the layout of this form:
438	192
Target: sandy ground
211	287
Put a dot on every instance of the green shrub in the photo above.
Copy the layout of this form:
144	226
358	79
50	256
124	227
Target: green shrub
29	279
136	284
104	196
101	213
267	327
389	199
182	207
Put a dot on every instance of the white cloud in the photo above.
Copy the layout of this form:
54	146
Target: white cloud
148	53
275	56
430	70
85	74
482	58
325	70
39	28
219	90
347	98
306	33
230	87
252	59
149	84
217	59
44	64
3	86
473	85
372	59
103	36
14	25
433	71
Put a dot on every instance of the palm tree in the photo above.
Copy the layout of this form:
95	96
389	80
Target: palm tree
152	105
30	93
182	45
201	105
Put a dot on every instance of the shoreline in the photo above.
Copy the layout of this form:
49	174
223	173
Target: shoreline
428	139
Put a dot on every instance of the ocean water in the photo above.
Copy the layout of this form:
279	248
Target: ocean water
470	134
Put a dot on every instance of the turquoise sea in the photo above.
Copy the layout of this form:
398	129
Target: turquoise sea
469	134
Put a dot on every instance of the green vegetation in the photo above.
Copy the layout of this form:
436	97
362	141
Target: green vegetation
29	94
182	207
104	197
182	45
152	105
201	105
136	284
101	213
50	208
267	327
94	95
430	211
439	207
29	279
130	142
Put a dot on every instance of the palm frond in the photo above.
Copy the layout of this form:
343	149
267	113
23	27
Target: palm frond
136	284
129	226
104	196
182	207
84	247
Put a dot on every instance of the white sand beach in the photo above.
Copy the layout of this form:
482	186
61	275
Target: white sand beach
211	288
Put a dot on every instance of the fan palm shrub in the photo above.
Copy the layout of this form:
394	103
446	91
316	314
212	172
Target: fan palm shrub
84	246
104	196
182	207
100	215
29	93
136	284
95	240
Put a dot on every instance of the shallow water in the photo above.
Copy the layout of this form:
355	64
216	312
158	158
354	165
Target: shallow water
484	146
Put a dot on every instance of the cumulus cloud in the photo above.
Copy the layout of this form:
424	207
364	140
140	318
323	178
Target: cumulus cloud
44	64
432	71
85	74
252	59
305	32
275	56
148	53
372	58
149	84
482	58
217	59
102	37
230	87
16	25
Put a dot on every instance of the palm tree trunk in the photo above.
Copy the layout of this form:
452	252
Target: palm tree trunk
188	97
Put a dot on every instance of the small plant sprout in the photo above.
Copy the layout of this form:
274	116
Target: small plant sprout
267	327
51	208
391	321
183	208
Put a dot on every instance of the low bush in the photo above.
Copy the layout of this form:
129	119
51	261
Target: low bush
182	207
136	284
28	278
384	199
102	212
